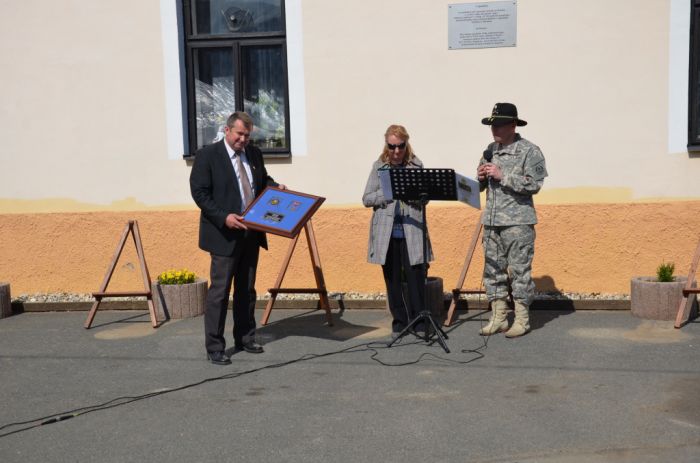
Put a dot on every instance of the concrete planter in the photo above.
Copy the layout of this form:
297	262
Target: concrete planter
654	300
5	300
179	301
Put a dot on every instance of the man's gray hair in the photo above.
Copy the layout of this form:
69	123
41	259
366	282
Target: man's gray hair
243	117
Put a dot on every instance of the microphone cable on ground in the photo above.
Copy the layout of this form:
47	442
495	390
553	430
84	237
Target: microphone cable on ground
373	347
364	347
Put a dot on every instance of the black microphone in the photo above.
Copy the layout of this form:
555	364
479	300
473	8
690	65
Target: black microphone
488	155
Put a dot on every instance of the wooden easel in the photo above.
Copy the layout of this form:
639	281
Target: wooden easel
320	288
463	276
685	305
133	228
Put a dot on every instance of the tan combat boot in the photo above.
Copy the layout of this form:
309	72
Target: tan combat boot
498	321
521	324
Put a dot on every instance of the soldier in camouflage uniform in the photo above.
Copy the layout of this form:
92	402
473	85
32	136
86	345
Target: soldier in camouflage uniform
512	169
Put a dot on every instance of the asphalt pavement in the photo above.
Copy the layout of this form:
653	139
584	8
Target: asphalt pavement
588	386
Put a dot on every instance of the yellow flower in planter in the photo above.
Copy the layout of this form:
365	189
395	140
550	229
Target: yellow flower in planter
176	277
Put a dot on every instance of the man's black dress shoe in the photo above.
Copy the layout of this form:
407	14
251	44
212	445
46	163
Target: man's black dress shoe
218	358
250	346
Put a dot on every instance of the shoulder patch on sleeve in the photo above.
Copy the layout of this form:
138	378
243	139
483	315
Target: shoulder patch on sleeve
540	170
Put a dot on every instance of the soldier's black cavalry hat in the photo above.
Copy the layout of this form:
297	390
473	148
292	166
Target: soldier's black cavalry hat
503	114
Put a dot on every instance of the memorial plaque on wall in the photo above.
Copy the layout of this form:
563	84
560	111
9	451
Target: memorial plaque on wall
482	25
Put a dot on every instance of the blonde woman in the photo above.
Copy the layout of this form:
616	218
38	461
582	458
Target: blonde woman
396	234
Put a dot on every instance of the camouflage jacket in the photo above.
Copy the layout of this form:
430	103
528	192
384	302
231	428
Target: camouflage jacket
509	202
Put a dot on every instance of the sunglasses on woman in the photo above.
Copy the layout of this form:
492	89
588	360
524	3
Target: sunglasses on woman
399	146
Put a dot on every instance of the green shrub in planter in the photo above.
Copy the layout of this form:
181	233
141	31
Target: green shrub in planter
664	272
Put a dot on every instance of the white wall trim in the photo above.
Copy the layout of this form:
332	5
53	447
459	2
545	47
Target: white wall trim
295	76
678	68
174	75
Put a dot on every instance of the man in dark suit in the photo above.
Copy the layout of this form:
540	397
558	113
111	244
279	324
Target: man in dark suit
225	179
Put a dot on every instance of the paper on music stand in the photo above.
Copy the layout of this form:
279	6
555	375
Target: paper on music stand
385	183
468	191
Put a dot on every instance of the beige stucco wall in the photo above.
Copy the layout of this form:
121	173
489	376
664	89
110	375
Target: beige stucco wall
590	77
578	248
83	126
83	114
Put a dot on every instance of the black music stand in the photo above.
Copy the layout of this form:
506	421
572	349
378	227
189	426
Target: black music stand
423	185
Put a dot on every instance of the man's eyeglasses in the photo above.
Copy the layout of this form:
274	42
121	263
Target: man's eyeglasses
399	146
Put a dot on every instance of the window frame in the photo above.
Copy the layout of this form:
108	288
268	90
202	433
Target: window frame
235	41
694	79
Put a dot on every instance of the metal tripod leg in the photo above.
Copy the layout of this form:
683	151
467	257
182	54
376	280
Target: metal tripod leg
441	335
425	317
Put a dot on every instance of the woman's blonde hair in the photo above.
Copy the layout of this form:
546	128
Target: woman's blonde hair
399	131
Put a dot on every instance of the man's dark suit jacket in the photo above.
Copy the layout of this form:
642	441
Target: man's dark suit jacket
215	190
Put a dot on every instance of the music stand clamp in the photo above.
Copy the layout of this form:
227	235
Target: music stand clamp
424	185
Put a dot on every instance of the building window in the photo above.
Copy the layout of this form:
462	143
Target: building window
694	79
236	60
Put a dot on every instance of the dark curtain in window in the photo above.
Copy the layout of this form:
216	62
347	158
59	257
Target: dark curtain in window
264	93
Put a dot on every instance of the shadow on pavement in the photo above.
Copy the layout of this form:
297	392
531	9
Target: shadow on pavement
313	324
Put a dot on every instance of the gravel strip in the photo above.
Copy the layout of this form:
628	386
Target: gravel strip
350	295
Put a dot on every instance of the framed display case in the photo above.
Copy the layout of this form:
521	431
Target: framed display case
281	212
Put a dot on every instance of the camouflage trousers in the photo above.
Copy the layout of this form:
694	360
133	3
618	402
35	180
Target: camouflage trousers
508	252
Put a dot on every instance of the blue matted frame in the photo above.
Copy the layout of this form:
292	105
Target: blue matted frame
281	212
